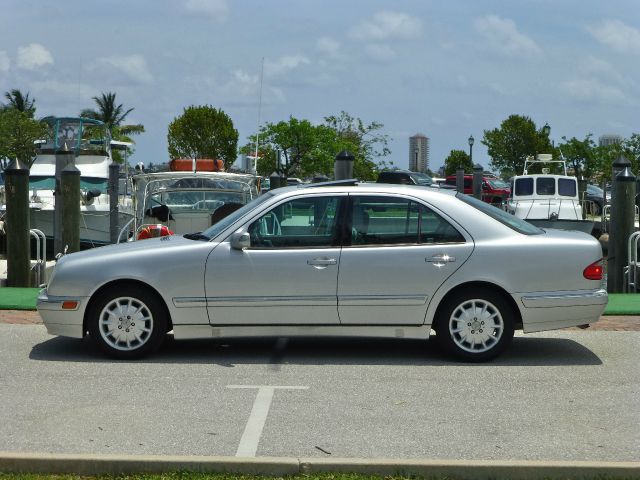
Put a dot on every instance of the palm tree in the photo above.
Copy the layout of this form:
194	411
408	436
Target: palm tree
21	102
113	116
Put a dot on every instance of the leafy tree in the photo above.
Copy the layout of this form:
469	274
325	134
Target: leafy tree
580	155
363	140
515	140
20	102
18	132
309	149
457	159
203	132
631	147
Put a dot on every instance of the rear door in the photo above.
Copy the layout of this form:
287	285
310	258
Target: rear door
400	252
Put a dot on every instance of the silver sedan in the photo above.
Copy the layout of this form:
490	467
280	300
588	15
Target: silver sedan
341	259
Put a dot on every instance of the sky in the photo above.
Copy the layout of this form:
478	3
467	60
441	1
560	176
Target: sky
446	69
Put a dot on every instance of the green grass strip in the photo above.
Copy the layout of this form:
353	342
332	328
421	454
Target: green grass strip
14	298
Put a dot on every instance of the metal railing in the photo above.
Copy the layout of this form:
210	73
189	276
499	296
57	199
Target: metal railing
632	269
39	268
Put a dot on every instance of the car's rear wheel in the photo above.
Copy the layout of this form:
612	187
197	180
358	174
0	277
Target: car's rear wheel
127	322
475	326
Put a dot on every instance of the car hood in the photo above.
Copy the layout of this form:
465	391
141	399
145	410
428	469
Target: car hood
149	245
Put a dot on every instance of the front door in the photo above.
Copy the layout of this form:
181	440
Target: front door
288	275
401	252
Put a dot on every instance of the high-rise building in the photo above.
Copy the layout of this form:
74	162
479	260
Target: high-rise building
418	153
609	139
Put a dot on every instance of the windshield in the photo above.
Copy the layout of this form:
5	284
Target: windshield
498	184
218	227
49	183
421	179
501	216
594	190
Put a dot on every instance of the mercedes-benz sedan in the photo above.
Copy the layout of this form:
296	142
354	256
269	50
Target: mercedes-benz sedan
339	259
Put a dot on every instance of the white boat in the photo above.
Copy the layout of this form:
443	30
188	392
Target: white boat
91	142
546	199
179	202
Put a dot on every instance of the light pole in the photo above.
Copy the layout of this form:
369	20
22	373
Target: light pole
471	140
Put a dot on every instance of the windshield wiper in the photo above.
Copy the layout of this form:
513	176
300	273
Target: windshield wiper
195	236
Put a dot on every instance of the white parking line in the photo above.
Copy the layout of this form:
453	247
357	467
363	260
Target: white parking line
253	430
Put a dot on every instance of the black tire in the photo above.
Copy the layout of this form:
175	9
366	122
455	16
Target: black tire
462	327
127	322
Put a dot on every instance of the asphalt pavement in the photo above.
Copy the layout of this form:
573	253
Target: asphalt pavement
557	404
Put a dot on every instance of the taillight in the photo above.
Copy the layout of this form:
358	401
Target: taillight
593	271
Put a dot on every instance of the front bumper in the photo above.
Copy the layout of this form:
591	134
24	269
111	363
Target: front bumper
553	310
66	322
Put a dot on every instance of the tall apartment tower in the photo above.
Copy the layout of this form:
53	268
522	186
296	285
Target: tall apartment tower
609	139
418	153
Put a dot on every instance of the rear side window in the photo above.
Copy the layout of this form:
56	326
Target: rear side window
567	187
397	221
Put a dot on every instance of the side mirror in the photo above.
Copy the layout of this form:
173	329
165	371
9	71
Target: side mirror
240	240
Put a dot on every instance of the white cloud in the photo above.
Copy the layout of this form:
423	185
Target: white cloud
617	35
592	89
503	35
33	56
284	64
62	90
387	25
596	79
133	66
5	63
216	9
328	45
380	52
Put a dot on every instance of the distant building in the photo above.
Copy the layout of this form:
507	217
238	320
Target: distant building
418	153
609	139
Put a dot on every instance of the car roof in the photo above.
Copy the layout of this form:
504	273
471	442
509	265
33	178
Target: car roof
354	186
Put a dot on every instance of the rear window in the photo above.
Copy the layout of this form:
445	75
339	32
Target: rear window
501	216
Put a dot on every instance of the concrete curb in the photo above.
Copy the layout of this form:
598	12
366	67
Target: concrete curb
81	464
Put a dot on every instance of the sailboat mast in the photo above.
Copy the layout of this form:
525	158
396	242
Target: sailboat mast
259	112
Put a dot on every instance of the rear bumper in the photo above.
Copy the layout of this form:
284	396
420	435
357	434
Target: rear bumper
553	310
59	321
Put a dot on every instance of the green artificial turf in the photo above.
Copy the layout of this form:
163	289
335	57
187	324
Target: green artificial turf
14	298
623	304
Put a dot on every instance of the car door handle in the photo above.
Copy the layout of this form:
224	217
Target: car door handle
322	262
440	259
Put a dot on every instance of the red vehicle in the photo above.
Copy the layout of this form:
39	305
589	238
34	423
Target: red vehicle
494	190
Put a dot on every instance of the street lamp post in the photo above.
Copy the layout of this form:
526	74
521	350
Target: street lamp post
471	140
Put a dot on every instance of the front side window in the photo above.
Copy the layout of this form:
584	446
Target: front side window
397	221
299	223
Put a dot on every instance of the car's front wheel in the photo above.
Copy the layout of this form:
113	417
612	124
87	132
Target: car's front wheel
127	322
475	326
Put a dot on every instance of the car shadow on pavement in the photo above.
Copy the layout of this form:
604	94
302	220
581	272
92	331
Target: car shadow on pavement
529	351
